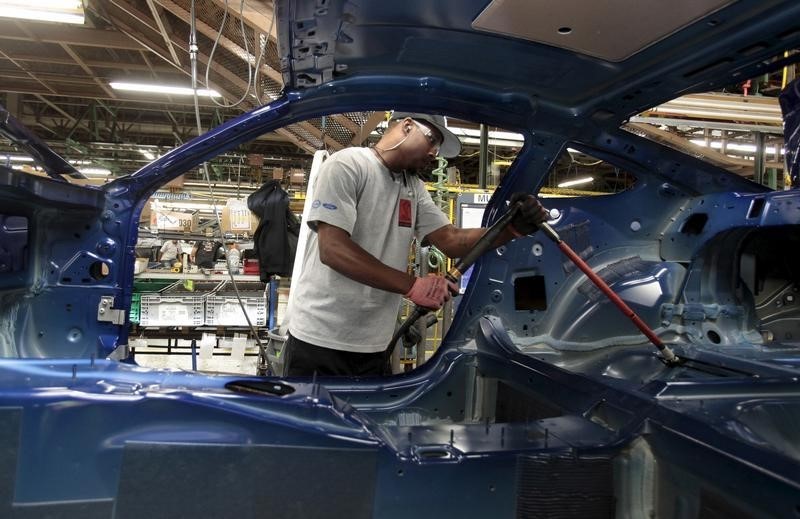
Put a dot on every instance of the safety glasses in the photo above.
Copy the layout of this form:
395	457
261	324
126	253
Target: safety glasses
435	142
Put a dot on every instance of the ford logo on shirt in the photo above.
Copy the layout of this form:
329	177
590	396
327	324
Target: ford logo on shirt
330	206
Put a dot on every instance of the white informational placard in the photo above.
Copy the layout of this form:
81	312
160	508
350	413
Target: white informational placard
472	216
471	207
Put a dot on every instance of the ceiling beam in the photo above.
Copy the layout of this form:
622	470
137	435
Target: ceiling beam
710	125
88	70
80	92
239	51
55	107
145	42
300	143
348	123
722	107
316	132
162	53
164	128
162	27
137	30
58	33
149	65
257	15
227	74
368	127
140	16
229	45
56	60
22	26
27	72
741	166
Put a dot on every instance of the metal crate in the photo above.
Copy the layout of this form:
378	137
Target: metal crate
177	305
222	307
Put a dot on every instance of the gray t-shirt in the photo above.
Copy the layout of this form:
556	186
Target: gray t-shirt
382	212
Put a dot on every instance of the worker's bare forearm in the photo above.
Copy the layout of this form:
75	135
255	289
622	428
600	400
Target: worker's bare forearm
465	240
456	242
346	257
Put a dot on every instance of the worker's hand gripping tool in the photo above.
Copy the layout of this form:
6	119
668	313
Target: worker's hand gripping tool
483	244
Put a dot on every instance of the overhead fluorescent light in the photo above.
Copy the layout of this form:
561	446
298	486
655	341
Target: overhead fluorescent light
161	89
95	172
492	142
576	182
747	148
147	155
64	11
472	136
493	134
15	158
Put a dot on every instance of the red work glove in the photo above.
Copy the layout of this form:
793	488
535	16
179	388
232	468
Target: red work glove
431	292
530	215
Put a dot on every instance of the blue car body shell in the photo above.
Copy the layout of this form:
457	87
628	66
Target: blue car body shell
560	412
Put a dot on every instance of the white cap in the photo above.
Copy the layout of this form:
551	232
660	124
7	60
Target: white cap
451	146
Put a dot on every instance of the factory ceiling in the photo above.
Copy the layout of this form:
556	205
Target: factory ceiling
56	79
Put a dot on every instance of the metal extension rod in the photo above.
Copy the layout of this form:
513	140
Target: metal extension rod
668	355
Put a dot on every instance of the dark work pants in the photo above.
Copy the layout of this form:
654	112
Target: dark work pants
304	359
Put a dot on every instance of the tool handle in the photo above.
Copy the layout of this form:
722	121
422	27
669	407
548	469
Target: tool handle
483	244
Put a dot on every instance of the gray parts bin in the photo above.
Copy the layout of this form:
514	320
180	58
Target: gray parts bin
223	309
176	305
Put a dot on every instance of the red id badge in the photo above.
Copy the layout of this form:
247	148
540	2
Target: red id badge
404	214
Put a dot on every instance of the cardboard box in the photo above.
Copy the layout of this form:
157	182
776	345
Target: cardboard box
255	159
163	220
297	177
176	182
236	218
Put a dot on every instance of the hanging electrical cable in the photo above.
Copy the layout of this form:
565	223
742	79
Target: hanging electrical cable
263	44
246	56
193	49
